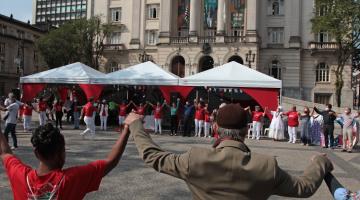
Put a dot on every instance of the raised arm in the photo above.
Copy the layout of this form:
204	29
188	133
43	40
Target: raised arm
176	165
318	111
305	185
117	150
152	105
265	111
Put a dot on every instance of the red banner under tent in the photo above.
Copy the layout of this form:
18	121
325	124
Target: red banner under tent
265	90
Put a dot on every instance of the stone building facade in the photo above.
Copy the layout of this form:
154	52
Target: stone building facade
18	56
189	36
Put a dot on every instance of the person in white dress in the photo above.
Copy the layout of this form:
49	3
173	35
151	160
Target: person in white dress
277	125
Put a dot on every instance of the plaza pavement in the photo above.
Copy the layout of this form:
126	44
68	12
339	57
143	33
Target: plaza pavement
131	180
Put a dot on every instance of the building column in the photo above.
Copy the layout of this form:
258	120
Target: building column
165	21
194	13
251	24
295	23
221	17
136	23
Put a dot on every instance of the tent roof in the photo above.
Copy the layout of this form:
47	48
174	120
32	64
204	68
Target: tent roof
146	73
232	74
69	74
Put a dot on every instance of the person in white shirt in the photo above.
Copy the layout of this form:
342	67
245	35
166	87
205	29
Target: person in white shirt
104	114
11	120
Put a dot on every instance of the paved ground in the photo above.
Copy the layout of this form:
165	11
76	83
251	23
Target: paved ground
132	180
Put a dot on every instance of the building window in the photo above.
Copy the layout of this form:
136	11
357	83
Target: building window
151	37
275	7
2	65
322	73
153	11
116	14
322	98
3	29
323	37
275	69
276	35
2	48
114	66
115	38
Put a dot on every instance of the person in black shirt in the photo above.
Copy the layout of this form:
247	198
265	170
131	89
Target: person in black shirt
329	117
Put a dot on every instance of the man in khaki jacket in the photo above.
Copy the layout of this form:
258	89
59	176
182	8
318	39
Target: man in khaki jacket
229	170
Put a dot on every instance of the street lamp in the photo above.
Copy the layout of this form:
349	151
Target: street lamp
143	57
250	57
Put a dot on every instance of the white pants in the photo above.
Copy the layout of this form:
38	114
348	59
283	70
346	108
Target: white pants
198	126
27	122
256	130
103	122
42	118
158	125
292	134
207	129
90	126
121	120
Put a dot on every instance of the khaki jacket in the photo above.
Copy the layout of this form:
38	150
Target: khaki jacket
229	171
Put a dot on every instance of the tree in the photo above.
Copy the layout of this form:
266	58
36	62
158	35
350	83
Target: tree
340	18
79	40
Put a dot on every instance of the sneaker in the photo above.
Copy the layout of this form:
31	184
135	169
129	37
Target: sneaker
349	151
257	138
289	141
293	142
13	148
343	150
175	134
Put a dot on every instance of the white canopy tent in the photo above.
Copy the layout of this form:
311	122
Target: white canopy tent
146	73
76	73
232	74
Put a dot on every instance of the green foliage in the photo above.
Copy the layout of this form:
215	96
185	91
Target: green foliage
76	41
340	18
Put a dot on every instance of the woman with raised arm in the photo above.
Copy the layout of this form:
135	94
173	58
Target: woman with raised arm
277	127
158	109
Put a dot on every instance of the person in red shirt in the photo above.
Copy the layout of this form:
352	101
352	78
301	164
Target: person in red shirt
140	110
122	113
27	114
58	108
293	123
49	180
257	116
158	108
88	114
199	118
207	121
42	106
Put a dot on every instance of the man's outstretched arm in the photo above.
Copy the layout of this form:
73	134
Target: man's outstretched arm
117	150
176	165
305	185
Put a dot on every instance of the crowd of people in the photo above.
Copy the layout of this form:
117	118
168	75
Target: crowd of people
316	127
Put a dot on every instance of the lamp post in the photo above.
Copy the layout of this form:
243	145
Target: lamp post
250	57
144	57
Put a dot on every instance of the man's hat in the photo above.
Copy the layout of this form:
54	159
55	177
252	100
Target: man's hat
231	116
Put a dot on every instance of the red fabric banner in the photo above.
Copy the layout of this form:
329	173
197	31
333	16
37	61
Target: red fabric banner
63	92
92	90
265	97
184	91
31	90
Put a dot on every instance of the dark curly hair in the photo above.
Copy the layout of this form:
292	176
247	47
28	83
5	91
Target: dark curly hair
47	141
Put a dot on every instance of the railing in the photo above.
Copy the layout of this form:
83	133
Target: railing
179	40
323	45
206	39
234	39
114	47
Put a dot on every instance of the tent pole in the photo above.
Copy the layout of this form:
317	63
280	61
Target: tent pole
197	94
127	94
280	96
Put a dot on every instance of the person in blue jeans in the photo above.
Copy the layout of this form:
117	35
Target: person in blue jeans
338	191
75	109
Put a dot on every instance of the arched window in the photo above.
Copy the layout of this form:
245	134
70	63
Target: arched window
275	69
322	73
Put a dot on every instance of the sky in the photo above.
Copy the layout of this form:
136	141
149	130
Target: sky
21	9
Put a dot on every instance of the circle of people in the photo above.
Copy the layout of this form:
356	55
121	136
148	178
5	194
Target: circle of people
316	126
